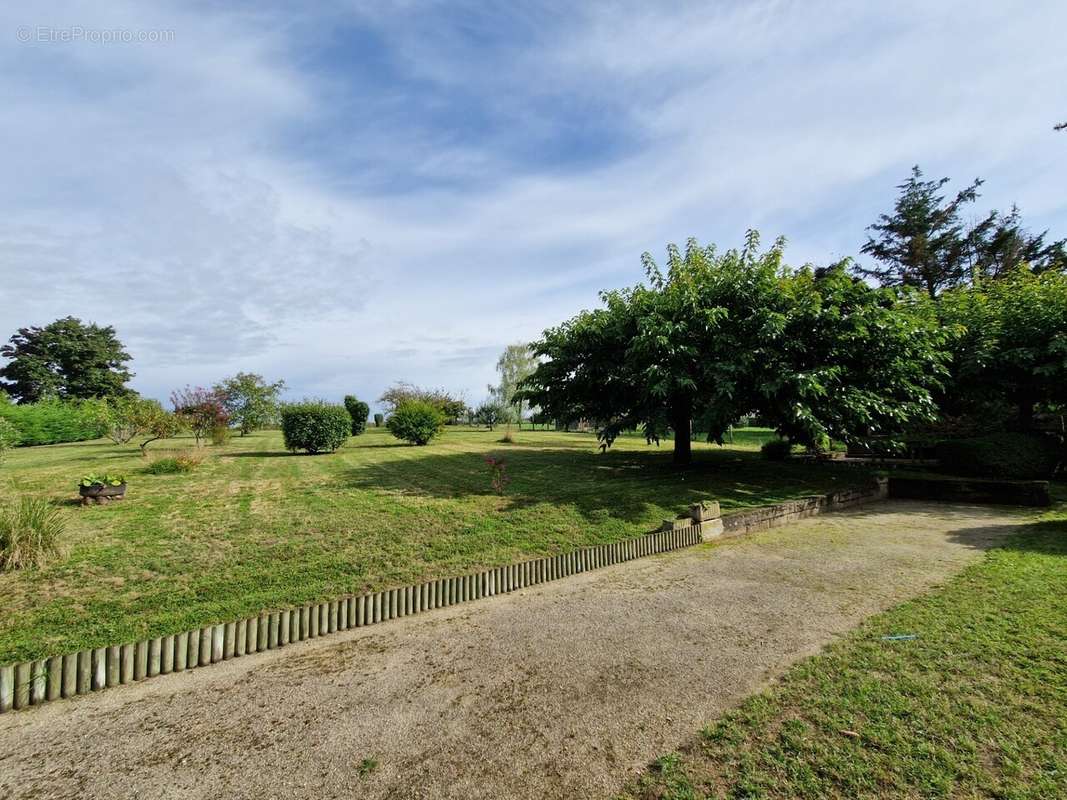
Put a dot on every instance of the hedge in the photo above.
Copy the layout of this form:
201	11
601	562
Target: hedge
56	421
1019	456
315	426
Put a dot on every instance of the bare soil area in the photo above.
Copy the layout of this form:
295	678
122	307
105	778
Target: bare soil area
560	691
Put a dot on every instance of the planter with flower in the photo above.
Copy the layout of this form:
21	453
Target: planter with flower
102	488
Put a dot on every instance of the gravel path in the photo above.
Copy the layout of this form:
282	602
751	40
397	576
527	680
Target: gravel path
560	691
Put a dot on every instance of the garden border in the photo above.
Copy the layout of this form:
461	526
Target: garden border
33	683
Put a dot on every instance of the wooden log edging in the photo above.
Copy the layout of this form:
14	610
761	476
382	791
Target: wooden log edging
33	683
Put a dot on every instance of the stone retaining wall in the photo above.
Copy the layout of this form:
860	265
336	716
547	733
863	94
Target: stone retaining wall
758	519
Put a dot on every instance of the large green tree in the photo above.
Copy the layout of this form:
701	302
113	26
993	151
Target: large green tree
250	401
717	335
1011	349
66	359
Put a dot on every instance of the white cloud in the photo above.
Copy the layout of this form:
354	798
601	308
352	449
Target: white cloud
237	199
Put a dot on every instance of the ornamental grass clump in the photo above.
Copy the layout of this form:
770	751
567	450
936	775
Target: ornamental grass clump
30	533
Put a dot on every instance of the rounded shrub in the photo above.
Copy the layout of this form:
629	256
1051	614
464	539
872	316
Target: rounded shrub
1013	456
358	411
416	421
315	426
379	419
776	449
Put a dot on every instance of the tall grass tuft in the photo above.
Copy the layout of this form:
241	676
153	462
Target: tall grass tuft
30	532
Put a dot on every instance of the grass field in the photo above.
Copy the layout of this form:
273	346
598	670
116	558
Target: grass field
256	528
974	707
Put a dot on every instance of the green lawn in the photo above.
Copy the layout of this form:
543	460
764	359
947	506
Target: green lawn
974	707
256	528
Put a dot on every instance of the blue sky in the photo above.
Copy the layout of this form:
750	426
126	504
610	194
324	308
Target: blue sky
356	193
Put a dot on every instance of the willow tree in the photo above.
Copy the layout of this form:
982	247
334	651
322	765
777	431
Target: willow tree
715	335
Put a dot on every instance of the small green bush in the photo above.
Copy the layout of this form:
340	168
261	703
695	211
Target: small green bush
359	411
1012	456
220	435
378	420
776	449
416	421
315	426
30	532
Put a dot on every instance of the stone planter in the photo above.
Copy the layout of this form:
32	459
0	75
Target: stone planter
101	493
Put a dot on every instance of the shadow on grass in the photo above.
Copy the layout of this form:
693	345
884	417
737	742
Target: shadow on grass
627	485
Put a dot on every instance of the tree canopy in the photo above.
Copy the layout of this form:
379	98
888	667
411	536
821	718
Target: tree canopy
66	359
1011	348
250	402
718	335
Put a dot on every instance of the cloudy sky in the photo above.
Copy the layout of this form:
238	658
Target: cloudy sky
368	192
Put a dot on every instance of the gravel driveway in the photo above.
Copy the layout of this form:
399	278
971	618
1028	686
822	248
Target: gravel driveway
564	690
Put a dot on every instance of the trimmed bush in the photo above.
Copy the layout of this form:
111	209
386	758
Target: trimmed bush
359	411
378	420
416	421
56	421
30	532
1018	456
315	426
776	449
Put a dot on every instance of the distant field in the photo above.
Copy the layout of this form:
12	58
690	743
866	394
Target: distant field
257	528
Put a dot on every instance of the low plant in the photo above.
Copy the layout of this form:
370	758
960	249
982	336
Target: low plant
776	449
416	421
220	435
315	426
507	438
30	533
499	477
107	479
171	465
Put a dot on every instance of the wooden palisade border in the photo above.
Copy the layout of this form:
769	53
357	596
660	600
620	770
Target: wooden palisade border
32	683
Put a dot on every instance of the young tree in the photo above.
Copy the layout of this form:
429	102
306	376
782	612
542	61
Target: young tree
515	364
250	402
130	416
201	410
492	412
923	243
452	407
65	359
720	335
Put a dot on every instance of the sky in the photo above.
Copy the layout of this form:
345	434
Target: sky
349	194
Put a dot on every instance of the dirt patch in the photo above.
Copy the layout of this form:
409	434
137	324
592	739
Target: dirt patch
561	691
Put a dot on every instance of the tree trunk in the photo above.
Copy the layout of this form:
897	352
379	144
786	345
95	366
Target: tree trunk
1026	413
682	422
